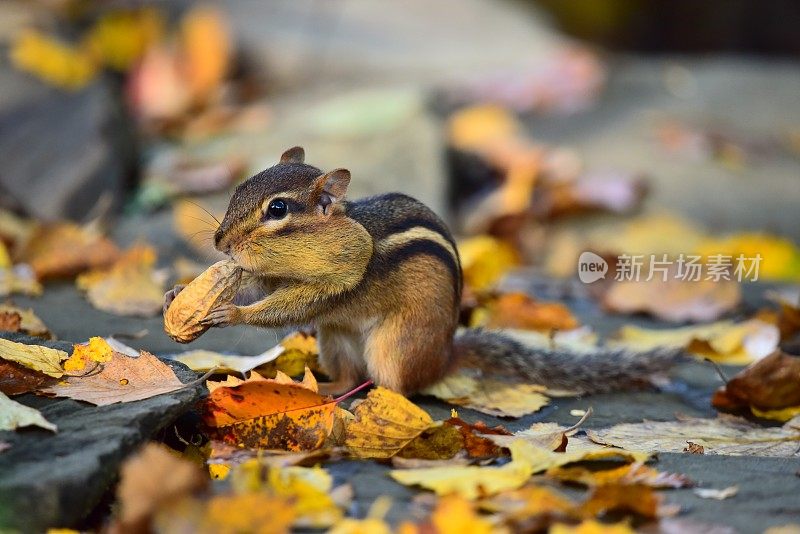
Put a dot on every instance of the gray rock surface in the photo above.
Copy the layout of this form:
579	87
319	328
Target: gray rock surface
56	480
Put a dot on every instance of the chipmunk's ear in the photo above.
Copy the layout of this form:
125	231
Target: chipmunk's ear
296	154
332	187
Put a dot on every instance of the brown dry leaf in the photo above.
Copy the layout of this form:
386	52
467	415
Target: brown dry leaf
154	477
122	379
518	310
770	384
788	319
271	414
96	350
493	397
16	379
130	286
475	442
10	321
629	474
637	499
726	435
530	508
384	423
64	249
218	284
29	323
440	442
674	300
205	360
612	191
36	357
717	494
551	436
724	341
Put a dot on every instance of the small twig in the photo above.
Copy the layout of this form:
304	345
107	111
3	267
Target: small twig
718	369
353	392
96	370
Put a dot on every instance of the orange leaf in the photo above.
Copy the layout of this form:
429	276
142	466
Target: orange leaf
518	310
272	414
62	250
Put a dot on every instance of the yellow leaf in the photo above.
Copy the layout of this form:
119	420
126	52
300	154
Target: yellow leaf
456	515
130	286
493	397
35	357
309	489
54	62
15	415
19	280
484	261
29	322
782	415
592	526
122	379
723	341
5	259
384	423
301	351
219	471
96	350
471	481
206	50
780	258
473	127
120	37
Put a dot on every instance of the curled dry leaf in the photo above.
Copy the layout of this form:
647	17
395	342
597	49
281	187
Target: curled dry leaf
29	323
121	379
217	285
63	250
674	299
36	357
154	477
637	499
533	507
270	414
550	436
440	442
771	384
493	397
629	474
15	415
726	435
16	379
385	422
205	360
518	310
130	286
477	437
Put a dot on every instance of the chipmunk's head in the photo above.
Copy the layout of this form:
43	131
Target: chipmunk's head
288	219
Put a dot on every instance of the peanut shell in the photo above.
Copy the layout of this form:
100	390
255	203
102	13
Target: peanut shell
216	285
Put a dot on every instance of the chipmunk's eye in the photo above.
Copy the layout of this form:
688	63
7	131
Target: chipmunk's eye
277	209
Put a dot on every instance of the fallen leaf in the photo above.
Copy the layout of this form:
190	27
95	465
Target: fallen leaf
770	384
96	350
456	515
29	323
256	512
36	357
121	379
724	342
550	436
788	318
308	489
57	63
64	249
10	321
16	379
674	299
271	413
637	499
206	48
205	360
592	526
518	310
300	351
384	423
231	381
154	477
470	481
493	397
717	494
780	258
629	474
130	286
530	508
484	261
120	37
15	415
19	279
475	443
612	191
726	435
440	442
217	285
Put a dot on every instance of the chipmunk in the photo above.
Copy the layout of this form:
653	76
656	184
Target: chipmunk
380	278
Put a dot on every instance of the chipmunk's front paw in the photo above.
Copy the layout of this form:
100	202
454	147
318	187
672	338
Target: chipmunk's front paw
223	315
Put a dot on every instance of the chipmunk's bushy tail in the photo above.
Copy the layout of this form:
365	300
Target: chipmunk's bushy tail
499	356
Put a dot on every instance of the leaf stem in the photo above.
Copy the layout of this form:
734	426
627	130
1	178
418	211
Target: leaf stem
353	392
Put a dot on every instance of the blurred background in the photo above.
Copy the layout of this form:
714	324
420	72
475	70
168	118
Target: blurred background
544	128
